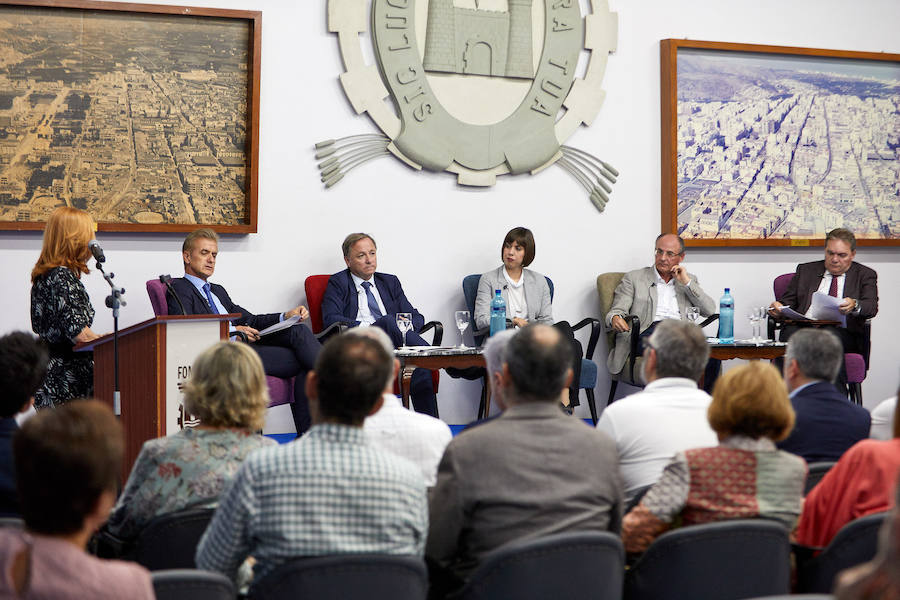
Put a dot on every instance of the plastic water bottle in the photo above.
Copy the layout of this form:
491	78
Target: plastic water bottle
498	313
726	318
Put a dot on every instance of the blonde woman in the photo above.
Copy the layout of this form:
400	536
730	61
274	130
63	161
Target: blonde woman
227	391
61	311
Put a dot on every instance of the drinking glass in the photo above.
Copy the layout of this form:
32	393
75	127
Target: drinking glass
462	323
404	324
692	314
753	316
763	316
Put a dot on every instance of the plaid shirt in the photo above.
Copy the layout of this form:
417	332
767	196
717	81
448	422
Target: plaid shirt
327	493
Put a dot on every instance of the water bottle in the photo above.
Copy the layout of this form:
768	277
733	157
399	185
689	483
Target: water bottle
498	313
726	318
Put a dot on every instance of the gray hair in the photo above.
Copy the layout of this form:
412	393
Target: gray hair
352	239
538	358
681	349
377	334
495	351
818	353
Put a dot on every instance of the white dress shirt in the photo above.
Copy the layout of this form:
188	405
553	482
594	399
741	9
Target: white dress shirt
419	438
825	285
364	315
666	301
515	292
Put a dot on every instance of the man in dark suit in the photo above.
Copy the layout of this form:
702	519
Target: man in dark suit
360	296
827	423
838	276
286	353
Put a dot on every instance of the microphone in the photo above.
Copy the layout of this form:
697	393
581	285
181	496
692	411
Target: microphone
167	281
505	287
97	251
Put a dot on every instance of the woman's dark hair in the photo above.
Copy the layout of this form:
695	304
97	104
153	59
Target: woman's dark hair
523	237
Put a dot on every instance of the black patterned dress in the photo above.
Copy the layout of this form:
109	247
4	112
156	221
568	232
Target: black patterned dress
60	309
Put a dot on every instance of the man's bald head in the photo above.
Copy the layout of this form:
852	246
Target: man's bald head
538	364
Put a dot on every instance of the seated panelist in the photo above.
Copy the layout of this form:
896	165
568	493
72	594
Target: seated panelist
359	295
286	353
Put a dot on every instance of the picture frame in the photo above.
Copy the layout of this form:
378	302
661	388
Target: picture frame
146	116
776	145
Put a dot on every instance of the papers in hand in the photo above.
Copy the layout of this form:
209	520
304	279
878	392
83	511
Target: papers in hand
279	326
823	308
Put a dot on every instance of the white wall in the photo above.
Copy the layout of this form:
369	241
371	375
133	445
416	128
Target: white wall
431	233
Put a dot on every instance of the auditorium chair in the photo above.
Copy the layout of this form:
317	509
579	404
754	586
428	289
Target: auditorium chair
347	577
191	584
855	364
817	471
726	560
855	543
574	566
588	379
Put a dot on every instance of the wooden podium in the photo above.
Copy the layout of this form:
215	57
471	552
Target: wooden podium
155	358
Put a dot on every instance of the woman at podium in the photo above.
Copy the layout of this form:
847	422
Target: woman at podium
61	311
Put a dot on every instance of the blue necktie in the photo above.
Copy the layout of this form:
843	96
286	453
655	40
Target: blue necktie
370	300
209	298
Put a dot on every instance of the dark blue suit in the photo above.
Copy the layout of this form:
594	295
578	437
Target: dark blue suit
9	500
341	304
286	353
827	423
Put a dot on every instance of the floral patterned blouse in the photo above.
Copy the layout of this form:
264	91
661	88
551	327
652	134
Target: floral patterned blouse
60	310
188	468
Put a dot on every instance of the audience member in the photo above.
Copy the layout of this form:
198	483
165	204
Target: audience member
744	477
494	359
359	295
23	362
227	391
286	353
531	472
883	420
329	492
861	483
417	437
67	465
827	423
669	415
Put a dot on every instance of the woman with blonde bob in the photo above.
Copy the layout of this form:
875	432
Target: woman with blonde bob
744	477
61	311
227	391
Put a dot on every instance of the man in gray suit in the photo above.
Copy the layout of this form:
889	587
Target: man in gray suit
531	472
662	291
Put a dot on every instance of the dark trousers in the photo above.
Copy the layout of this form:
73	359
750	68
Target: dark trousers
577	353
851	343
421	389
290	353
710	372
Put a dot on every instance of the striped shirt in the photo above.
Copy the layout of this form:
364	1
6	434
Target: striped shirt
329	492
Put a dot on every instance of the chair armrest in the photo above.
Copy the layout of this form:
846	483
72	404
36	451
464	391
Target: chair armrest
238	334
708	320
335	328
438	331
635	323
595	334
804	554
106	545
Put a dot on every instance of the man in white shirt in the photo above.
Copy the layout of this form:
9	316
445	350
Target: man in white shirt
669	415
421	439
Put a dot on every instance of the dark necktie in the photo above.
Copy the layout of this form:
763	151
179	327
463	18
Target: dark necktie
832	291
370	300
209	298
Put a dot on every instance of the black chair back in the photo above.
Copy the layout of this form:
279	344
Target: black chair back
574	566
855	543
727	560
169	541
817	471
346	577
191	584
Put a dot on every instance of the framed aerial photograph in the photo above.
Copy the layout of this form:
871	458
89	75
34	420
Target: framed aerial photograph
145	116
776	146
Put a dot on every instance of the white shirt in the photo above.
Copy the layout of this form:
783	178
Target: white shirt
364	315
666	302
418	438
826	285
649	427
515	292
882	427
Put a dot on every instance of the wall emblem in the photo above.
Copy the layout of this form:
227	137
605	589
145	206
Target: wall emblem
479	88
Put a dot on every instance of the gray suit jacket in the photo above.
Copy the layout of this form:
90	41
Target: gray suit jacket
537	297
531	472
636	295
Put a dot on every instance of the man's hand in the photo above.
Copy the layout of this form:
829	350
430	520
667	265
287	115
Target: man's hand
299	310
519	322
252	334
681	274
619	324
775	308
847	306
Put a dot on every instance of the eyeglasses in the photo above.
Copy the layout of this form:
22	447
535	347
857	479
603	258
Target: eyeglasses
667	253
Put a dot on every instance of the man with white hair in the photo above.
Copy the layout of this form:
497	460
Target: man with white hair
417	437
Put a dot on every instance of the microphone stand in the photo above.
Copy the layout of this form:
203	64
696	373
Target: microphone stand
114	301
